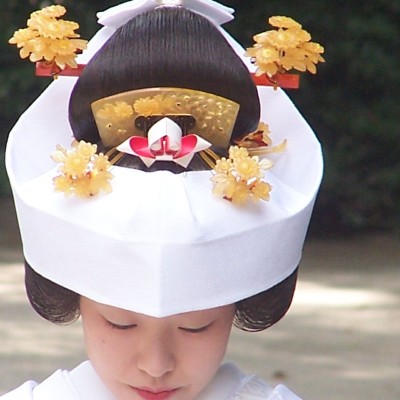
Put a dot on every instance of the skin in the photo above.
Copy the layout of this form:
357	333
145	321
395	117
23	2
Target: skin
139	357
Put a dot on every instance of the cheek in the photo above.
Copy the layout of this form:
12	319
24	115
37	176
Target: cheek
103	348
211	350
203	359
220	343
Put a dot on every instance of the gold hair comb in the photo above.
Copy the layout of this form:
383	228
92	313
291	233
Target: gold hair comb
117	117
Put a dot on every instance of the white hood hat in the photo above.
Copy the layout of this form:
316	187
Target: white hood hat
164	244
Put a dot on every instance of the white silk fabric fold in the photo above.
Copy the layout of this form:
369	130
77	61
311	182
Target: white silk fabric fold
117	16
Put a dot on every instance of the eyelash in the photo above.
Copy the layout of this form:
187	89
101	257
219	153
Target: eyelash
188	330
120	327
196	330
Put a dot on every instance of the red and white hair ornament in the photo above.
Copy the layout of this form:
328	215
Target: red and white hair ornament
164	142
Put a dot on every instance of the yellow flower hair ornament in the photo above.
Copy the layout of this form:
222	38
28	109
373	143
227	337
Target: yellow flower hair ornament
50	42
259	142
239	177
282	49
82	172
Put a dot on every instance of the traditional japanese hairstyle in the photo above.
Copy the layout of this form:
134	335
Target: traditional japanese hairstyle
156	240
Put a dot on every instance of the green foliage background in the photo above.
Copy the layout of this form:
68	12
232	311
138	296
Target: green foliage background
352	103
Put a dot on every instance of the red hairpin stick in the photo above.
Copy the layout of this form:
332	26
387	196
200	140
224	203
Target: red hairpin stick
45	69
286	81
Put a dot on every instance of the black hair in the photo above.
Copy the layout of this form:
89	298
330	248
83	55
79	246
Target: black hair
265	309
164	47
256	313
50	300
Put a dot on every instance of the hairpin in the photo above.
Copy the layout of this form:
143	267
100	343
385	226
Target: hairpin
50	42
162	123
282	49
259	142
82	172
239	177
53	45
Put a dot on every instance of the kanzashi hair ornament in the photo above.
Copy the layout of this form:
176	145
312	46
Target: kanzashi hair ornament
51	42
288	46
259	142
53	45
82	172
116	115
164	142
240	177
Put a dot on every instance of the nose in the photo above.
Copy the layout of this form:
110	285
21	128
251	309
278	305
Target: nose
156	356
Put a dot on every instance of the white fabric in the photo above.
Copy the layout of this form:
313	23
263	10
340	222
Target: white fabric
116	16
82	383
160	243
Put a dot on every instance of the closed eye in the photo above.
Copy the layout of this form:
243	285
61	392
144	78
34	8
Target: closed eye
196	330
120	326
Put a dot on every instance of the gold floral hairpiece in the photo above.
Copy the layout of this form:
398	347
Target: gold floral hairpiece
259	142
116	116
82	172
236	178
285	48
239	177
53	44
50	40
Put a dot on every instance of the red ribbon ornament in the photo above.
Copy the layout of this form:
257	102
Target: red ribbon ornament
163	150
164	142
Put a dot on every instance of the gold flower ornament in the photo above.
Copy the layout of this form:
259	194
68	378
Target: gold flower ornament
239	177
284	48
82	172
50	39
